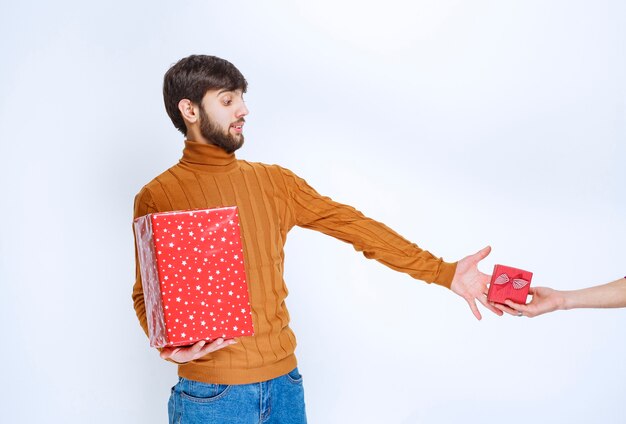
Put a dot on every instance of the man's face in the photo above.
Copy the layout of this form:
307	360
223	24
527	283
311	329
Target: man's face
222	118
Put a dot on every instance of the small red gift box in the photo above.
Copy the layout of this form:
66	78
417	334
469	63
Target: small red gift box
509	283
193	276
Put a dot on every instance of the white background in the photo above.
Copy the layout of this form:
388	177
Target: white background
457	123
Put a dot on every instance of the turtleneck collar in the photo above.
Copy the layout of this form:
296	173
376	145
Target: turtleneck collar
207	157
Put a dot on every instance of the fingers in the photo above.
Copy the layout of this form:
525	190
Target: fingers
474	308
528	310
199	349
506	309
490	306
218	344
168	352
206	348
518	307
481	254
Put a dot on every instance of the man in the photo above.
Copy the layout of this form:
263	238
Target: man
255	379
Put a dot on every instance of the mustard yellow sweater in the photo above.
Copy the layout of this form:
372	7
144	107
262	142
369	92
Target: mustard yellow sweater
271	200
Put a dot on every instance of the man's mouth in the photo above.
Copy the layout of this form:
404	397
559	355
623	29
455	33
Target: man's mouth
237	126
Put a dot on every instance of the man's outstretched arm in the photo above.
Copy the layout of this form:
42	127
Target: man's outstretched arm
377	241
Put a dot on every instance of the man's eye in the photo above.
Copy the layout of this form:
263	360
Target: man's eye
227	102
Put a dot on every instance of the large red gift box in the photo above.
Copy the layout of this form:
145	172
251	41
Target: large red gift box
509	283
193	276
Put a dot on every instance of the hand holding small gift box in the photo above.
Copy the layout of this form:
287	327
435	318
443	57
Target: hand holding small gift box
508	283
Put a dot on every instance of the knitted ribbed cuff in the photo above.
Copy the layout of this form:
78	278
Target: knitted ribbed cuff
445	274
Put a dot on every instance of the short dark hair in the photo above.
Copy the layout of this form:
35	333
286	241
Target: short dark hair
191	77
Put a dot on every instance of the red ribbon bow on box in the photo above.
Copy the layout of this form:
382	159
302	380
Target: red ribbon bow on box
518	283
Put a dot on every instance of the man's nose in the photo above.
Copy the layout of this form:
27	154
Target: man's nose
242	110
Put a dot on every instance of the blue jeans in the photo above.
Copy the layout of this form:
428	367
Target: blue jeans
280	400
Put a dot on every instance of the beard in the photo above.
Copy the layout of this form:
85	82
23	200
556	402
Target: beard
212	132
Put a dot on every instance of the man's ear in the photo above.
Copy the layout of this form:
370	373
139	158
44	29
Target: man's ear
189	111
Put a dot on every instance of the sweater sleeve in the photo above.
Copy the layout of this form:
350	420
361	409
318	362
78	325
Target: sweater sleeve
143	206
374	239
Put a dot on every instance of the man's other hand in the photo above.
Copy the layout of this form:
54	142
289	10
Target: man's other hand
182	354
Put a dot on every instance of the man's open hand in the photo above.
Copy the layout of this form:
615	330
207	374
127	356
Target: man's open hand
184	354
471	284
